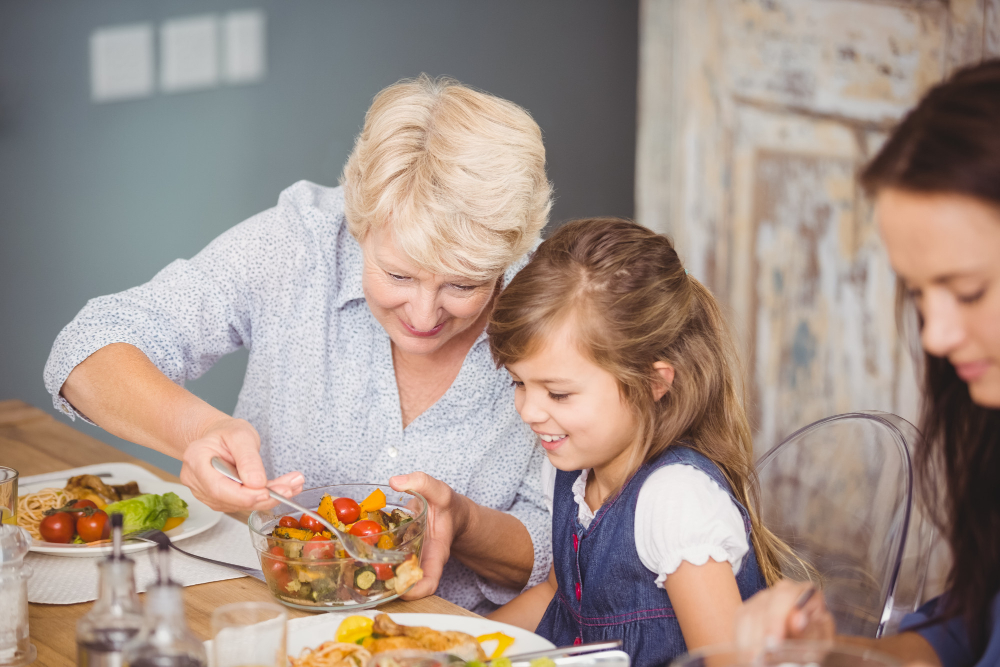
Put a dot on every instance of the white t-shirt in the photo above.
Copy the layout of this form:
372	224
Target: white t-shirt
681	515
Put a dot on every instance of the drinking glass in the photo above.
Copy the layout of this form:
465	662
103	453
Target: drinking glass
8	495
791	653
409	658
249	634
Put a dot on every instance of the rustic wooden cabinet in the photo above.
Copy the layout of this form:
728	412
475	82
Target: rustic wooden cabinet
754	117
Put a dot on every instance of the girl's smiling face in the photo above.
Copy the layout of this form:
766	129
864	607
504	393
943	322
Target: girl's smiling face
574	406
946	249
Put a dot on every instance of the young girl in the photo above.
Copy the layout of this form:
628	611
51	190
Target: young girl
623	367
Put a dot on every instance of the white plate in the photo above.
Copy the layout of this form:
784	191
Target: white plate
310	632
200	516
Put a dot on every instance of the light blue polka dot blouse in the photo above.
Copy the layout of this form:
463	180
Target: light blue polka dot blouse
320	387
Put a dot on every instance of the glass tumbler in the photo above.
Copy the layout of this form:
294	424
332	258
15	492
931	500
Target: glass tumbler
8	495
249	634
409	658
790	653
15	644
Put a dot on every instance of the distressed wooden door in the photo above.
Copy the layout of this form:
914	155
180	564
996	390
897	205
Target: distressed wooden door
755	116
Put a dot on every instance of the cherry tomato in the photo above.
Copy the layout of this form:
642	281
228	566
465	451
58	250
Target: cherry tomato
94	527
289	522
348	511
79	506
281	579
318	548
277	563
58	528
310	523
367	531
383	571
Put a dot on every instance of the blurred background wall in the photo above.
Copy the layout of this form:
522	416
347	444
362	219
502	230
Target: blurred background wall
97	197
754	118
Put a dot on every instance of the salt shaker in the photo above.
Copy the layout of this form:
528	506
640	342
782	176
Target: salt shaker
15	646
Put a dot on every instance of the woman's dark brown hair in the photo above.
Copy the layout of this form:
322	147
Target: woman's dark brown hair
950	143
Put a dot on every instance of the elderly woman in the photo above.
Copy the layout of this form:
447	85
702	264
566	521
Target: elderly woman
363	308
937	187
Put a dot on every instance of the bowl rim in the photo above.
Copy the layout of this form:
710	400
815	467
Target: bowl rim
257	513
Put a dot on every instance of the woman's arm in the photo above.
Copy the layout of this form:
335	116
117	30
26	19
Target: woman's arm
706	600
526	610
491	543
772	615
123	359
120	390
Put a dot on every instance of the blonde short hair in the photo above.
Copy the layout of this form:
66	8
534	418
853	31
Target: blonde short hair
456	175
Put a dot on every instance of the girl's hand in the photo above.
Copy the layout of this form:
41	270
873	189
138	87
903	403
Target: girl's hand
236	442
528	608
445	520
771	616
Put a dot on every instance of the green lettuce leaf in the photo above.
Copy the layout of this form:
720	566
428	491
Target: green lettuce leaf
144	512
176	507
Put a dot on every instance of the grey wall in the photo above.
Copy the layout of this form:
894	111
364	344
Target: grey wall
95	198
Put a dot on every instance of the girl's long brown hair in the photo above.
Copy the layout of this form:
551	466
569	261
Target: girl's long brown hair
634	305
950	143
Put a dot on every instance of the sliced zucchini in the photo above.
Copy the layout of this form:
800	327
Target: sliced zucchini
364	578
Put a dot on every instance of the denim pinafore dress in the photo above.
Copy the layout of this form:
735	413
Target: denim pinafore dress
605	592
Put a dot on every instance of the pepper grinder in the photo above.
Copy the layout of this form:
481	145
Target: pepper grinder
165	639
116	616
15	646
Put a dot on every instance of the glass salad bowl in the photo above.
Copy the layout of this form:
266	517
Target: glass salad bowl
309	569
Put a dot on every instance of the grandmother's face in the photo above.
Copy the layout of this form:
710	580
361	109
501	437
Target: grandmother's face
946	248
421	311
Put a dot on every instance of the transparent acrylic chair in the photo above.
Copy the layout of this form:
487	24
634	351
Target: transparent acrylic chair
840	493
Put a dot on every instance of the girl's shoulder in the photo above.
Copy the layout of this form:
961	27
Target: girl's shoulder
684	487
683	514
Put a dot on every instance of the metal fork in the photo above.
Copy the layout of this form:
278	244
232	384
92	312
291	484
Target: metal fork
159	537
353	544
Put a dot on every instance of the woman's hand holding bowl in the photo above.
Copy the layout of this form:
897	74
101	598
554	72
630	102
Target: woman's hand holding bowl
446	517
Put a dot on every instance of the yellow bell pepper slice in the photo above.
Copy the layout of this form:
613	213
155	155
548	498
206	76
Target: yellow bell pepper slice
503	642
326	509
375	501
173	522
354	628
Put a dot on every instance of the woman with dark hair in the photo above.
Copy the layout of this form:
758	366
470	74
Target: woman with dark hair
936	184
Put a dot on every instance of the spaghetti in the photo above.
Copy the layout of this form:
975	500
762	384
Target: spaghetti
332	654
31	508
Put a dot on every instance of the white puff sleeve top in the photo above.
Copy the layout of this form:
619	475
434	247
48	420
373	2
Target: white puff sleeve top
681	515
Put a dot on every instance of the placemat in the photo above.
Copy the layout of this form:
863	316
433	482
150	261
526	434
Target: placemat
59	580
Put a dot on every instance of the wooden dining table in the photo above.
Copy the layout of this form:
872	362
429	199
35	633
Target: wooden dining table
34	442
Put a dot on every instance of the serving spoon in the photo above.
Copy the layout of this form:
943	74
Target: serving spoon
353	545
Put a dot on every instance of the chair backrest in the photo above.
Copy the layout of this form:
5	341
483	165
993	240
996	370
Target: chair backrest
840	493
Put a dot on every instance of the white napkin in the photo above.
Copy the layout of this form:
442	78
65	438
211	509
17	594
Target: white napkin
69	580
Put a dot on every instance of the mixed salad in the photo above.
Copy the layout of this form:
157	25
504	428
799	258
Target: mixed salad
304	562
